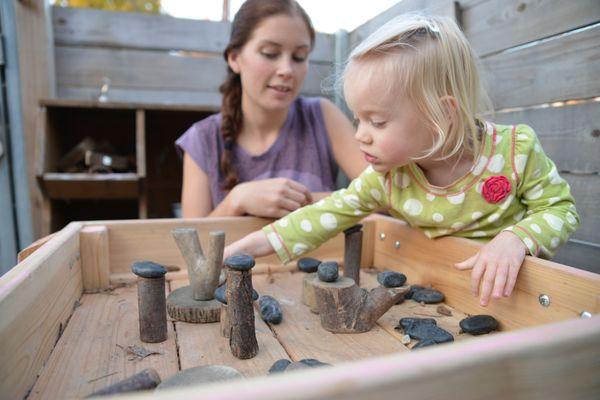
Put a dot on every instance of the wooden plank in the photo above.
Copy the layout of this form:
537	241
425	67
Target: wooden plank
95	263
435	7
202	344
36	300
119	185
586	191
98	28
569	134
301	333
425	261
131	241
88	357
26	252
151	70
561	68
496	25
368	245
555	361
81	103
140	155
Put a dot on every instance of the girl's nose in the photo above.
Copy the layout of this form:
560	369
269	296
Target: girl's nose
362	135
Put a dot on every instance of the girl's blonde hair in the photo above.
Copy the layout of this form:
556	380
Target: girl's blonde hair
427	58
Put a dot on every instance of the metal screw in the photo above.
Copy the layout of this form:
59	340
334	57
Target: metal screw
544	300
397	244
585	314
381	236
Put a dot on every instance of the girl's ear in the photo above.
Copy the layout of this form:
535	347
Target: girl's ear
450	105
232	60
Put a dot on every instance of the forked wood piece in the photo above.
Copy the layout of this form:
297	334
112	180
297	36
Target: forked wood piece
346	308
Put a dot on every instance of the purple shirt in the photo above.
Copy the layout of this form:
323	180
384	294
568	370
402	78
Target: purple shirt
301	152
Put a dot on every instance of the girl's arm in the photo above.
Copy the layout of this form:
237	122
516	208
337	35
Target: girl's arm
341	136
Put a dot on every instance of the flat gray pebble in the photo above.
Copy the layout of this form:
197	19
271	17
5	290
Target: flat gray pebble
391	279
479	324
308	264
328	271
428	296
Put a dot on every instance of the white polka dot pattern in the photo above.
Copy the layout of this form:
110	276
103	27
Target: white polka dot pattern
306	225
413	207
328	221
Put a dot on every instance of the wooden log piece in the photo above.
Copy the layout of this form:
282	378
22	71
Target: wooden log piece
308	292
353	252
203	272
151	301
225	326
242	334
143	380
346	308
181	306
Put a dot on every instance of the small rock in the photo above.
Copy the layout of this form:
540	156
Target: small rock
297	365
405	339
221	293
406	322
270	310
279	366
391	279
412	290
479	324
311	362
240	262
308	264
443	310
328	271
424	343
148	269
429	331
428	296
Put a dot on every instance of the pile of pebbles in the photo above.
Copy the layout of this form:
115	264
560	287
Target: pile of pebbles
425	330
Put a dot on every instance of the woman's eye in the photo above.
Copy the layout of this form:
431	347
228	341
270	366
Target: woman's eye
269	55
299	59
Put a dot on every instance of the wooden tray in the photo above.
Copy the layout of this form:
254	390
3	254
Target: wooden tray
69	310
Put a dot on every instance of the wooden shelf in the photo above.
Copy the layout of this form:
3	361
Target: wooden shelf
91	186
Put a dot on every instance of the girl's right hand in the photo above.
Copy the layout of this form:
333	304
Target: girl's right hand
271	198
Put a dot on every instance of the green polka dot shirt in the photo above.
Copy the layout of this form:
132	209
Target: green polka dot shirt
532	201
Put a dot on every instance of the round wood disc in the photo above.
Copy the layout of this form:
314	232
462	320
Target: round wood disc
308	292
181	306
199	375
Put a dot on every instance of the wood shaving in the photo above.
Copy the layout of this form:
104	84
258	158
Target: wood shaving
138	352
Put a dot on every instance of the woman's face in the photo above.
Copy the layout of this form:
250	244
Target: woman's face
273	63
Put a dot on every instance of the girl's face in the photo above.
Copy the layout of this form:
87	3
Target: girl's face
273	63
390	129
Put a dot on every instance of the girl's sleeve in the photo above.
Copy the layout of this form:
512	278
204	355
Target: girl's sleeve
308	227
551	214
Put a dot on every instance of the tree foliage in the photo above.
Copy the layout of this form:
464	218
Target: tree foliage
144	6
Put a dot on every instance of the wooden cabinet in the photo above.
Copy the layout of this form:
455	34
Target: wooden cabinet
145	133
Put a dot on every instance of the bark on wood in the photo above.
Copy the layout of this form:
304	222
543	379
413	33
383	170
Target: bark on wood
352	254
308	292
242	334
181	306
225	326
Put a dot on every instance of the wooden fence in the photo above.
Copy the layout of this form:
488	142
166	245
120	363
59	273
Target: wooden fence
541	60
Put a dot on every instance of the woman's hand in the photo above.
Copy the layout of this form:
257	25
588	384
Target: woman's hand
272	198
495	266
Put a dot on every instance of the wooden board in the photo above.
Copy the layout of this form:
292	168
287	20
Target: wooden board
496	25
91	186
88	27
571	291
202	344
36	301
586	190
88	357
301	333
562	68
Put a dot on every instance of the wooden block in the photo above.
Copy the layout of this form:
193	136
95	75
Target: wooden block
308	292
181	306
95	263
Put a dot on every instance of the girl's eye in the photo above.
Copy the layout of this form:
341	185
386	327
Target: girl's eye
355	122
378	124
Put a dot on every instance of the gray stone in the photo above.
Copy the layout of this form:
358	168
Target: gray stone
200	375
308	264
328	271
479	324
412	290
424	343
221	293
279	366
240	262
311	362
428	296
270	310
391	279
148	269
406	322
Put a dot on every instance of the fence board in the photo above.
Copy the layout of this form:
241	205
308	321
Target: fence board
497	25
569	134
586	190
98	28
437	7
561	68
579	255
155	71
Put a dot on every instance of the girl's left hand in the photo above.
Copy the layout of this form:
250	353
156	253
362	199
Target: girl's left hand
495	266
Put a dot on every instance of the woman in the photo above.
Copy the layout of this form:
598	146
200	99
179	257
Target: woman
268	152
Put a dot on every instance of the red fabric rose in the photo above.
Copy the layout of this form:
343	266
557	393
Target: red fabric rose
495	188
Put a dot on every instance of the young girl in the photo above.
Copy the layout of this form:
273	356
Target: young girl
268	151
415	92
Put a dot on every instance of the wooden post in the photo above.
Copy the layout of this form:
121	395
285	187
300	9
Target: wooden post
352	252
152	306
242	334
95	264
225	326
308	292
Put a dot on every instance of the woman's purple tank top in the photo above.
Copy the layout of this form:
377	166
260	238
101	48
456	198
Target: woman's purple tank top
302	151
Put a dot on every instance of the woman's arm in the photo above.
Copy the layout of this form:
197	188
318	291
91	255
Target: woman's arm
341	136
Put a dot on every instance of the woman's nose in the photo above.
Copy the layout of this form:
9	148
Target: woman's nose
284	67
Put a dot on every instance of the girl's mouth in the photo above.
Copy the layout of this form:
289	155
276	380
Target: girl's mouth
370	159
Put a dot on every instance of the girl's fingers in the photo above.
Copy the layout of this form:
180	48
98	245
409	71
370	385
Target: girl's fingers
511	280
468	263
500	281
487	284
476	275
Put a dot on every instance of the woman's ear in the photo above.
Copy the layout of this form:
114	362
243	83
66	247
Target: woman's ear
450	105
232	60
